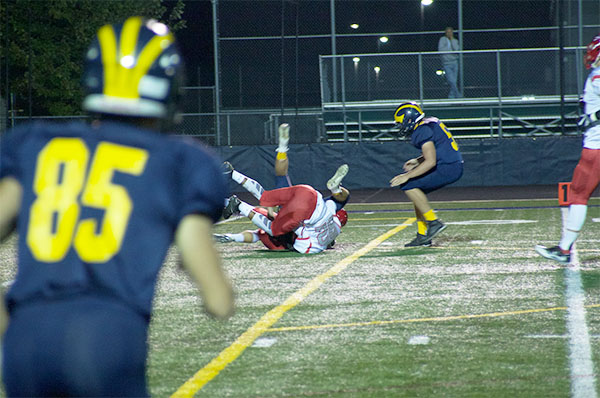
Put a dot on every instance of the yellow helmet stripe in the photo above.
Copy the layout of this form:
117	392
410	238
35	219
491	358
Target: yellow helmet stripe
411	106
149	54
121	75
123	84
108	46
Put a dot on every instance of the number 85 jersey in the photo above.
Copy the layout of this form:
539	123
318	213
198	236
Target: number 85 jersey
100	206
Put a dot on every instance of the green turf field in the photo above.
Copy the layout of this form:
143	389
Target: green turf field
478	314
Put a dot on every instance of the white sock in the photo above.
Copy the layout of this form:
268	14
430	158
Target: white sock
283	144
237	176
254	237
248	183
245	208
262	222
236	237
575	221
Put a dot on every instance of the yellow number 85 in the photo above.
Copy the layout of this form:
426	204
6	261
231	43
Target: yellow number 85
61	188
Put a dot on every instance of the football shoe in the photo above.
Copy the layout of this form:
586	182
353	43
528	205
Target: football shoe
284	137
434	227
553	253
222	238
420	240
233	206
227	168
335	181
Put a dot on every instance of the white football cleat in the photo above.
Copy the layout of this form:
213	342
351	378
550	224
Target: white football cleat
284	137
222	238
335	181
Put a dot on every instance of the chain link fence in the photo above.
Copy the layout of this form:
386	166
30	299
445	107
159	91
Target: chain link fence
272	58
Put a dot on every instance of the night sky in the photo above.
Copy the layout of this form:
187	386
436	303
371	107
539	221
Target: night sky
263	17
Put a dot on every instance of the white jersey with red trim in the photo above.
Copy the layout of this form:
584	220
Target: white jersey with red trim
316	233
591	97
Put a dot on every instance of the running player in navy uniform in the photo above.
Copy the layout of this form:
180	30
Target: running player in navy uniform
439	165
96	208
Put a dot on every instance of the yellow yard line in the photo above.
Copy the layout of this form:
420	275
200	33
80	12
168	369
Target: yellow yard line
230	354
416	320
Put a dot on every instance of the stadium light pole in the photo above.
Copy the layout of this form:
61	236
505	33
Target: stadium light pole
423	4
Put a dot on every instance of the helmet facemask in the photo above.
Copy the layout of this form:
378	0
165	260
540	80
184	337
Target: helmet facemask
407	116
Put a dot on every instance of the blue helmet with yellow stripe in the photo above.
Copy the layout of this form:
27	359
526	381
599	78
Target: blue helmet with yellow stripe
133	69
407	116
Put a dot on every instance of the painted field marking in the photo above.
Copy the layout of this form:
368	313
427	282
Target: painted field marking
246	339
583	381
420	320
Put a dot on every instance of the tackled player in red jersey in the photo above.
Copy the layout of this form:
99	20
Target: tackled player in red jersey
305	222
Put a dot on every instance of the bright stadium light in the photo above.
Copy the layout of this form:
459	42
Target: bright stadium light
426	2
354	26
439	72
384	39
377	69
356	60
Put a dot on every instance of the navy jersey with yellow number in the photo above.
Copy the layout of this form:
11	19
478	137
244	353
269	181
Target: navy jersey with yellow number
101	205
432	129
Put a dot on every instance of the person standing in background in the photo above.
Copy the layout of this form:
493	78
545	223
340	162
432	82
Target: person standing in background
448	43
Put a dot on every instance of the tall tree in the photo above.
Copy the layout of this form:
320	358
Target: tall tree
43	42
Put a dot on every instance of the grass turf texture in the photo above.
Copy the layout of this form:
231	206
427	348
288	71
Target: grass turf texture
493	310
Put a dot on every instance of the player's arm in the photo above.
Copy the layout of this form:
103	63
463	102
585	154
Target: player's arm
203	263
412	163
11	193
429	162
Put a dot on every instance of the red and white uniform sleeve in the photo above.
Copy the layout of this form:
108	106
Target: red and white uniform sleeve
319	230
591	97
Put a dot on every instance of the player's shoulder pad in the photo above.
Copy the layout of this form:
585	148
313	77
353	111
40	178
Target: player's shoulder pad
430	119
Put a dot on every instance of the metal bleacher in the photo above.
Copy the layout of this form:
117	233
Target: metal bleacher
465	117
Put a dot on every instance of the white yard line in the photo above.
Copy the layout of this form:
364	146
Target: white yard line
583	381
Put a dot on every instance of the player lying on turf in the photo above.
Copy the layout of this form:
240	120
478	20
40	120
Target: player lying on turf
306	222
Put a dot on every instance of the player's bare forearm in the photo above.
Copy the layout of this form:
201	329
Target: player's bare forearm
11	193
3	316
203	263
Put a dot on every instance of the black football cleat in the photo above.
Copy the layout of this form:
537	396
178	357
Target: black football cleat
553	253
232	207
420	240
227	168
434	227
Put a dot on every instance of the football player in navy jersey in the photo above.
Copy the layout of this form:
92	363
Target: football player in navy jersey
96	207
440	164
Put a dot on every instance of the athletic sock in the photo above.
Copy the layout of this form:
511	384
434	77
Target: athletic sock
237	176
262	222
573	225
248	183
245	208
236	237
430	215
421	227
